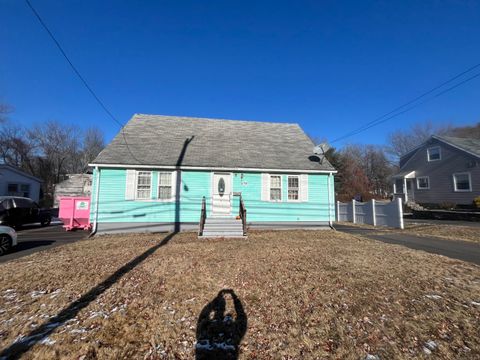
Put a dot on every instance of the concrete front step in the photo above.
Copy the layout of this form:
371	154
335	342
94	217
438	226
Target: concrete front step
222	221
223	227
211	234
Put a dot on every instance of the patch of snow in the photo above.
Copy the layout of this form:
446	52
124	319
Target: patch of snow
427	350
434	297
475	303
55	293
431	345
78	331
9	290
94	314
35	293
372	357
47	341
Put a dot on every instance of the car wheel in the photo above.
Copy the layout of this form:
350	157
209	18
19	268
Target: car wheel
5	244
46	222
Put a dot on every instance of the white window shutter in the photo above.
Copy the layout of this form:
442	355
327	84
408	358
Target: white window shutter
265	187
174	183
304	187
130	185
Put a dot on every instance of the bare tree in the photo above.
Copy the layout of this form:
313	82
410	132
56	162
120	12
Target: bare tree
16	148
402	141
5	109
56	149
93	143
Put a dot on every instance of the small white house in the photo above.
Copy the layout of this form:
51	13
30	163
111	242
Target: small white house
15	182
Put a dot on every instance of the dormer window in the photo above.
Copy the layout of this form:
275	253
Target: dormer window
434	153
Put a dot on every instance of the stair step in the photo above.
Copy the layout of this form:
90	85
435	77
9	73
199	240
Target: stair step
222	221
234	226
222	234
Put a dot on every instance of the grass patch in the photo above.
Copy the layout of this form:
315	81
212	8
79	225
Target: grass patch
305	294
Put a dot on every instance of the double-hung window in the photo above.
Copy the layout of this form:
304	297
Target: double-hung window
275	188
462	182
165	186
423	183
434	153
293	188
144	185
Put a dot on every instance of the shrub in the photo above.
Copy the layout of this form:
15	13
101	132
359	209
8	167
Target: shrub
476	202
446	206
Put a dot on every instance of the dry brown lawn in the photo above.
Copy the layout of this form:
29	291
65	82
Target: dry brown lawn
305	295
440	231
450	232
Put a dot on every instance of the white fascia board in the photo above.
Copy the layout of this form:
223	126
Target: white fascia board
213	168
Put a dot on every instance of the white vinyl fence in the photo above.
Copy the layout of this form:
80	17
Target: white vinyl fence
376	213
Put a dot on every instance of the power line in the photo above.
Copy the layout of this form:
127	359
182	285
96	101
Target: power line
379	120
82	79
421	103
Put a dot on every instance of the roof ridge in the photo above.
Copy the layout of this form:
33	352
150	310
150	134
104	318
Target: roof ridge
212	119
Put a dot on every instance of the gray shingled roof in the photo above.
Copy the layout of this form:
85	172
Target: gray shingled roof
470	145
158	140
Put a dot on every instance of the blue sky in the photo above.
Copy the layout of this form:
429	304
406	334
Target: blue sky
331	66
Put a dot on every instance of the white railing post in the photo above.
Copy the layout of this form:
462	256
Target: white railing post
338	210
400	212
353	212
374	213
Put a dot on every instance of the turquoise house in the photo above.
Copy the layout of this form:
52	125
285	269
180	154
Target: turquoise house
163	173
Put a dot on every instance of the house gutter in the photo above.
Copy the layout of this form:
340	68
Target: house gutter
97	193
237	169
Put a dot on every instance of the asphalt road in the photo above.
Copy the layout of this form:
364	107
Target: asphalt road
461	250
34	238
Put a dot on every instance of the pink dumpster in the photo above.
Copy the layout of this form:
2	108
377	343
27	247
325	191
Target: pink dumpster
75	212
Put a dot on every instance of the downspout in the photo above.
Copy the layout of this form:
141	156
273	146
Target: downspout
329	202
97	193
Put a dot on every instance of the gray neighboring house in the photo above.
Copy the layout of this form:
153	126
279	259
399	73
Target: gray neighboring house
15	182
73	185
444	169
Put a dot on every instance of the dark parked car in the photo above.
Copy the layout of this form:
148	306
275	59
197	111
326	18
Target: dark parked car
16	211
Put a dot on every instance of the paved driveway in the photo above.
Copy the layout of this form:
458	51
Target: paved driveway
35	238
462	250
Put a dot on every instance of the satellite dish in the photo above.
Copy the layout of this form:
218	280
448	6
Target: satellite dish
321	149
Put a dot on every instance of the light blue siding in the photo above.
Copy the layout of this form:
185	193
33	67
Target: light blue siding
195	184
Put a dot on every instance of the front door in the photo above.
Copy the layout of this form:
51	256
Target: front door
410	189
222	194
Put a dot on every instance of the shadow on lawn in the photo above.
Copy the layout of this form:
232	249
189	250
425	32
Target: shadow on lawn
219	333
21	346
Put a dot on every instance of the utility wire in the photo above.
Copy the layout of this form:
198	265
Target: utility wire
421	103
379	120
82	79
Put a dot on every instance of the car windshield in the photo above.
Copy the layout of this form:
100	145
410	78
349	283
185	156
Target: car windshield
23	203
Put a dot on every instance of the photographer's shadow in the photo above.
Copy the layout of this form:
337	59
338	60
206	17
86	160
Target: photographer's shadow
219	332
